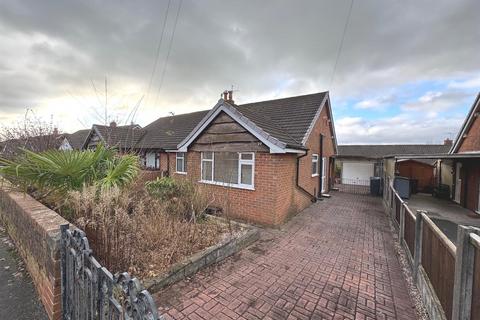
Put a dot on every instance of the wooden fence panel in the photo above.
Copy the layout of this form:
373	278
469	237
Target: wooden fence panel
409	231
475	312
438	261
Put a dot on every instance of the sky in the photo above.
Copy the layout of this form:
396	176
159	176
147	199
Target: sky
406	72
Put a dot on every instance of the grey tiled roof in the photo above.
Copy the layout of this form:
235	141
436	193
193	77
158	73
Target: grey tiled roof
290	118
167	132
383	150
120	136
77	138
287	120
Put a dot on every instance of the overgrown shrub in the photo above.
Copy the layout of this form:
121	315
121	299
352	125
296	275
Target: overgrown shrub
52	174
130	230
163	188
179	197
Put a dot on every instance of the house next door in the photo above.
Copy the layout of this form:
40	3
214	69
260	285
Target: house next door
458	182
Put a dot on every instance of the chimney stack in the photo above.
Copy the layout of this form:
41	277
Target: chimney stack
55	131
448	142
228	96
113	124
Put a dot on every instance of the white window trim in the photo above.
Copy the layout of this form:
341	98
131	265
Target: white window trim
317	166
176	166
230	185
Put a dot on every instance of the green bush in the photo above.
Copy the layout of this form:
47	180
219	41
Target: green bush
164	188
54	173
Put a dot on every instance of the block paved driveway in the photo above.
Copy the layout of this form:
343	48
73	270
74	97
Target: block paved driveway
335	260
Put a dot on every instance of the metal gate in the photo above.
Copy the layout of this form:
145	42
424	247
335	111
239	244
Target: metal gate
91	292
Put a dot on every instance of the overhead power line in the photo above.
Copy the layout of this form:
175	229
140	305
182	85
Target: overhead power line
155	63
341	42
162	77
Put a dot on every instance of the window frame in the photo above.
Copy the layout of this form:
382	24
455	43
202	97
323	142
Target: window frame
183	158
241	162
315	174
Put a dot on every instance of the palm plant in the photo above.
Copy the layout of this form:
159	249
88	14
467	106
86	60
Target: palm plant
54	173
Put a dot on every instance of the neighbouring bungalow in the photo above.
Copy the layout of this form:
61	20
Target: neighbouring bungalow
12	147
74	141
356	164
124	138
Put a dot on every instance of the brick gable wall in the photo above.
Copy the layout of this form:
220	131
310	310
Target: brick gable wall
472	141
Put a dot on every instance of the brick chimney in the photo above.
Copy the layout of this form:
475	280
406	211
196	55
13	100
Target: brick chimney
448	142
113	124
228	96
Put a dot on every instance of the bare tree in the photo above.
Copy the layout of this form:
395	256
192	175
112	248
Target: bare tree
32	133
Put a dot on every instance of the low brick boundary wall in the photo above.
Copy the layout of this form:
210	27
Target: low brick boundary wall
203	259
35	230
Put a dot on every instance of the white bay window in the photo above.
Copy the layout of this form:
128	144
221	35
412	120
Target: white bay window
234	169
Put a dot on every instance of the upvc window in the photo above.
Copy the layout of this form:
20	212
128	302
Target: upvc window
314	165
235	169
181	163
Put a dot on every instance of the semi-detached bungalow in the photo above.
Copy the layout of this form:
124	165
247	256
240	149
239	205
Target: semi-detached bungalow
260	161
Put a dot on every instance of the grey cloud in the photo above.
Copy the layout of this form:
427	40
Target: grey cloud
265	48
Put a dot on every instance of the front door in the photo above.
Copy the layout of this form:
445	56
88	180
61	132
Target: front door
324	174
458	182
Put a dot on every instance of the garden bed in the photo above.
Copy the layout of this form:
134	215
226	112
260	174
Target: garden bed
229	244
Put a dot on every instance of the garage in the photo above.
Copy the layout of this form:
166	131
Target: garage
357	173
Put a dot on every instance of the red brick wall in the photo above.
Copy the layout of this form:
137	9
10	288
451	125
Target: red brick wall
472	141
35	229
322	127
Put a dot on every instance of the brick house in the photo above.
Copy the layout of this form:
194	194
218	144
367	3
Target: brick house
459	168
261	161
466	161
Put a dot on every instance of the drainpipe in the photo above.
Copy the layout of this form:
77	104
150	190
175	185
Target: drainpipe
320	182
313	198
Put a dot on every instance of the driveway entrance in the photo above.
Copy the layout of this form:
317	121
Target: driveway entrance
335	260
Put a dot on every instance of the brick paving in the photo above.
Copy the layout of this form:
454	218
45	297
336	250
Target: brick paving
335	260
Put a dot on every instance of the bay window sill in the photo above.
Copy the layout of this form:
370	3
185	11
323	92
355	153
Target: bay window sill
179	172
229	185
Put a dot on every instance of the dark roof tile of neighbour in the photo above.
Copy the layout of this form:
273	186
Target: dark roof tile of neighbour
167	132
77	138
120	136
378	151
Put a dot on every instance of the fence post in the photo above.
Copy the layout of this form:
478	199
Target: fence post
417	258
63	268
464	264
401	228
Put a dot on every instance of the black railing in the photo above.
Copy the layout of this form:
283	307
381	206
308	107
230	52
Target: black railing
90	291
